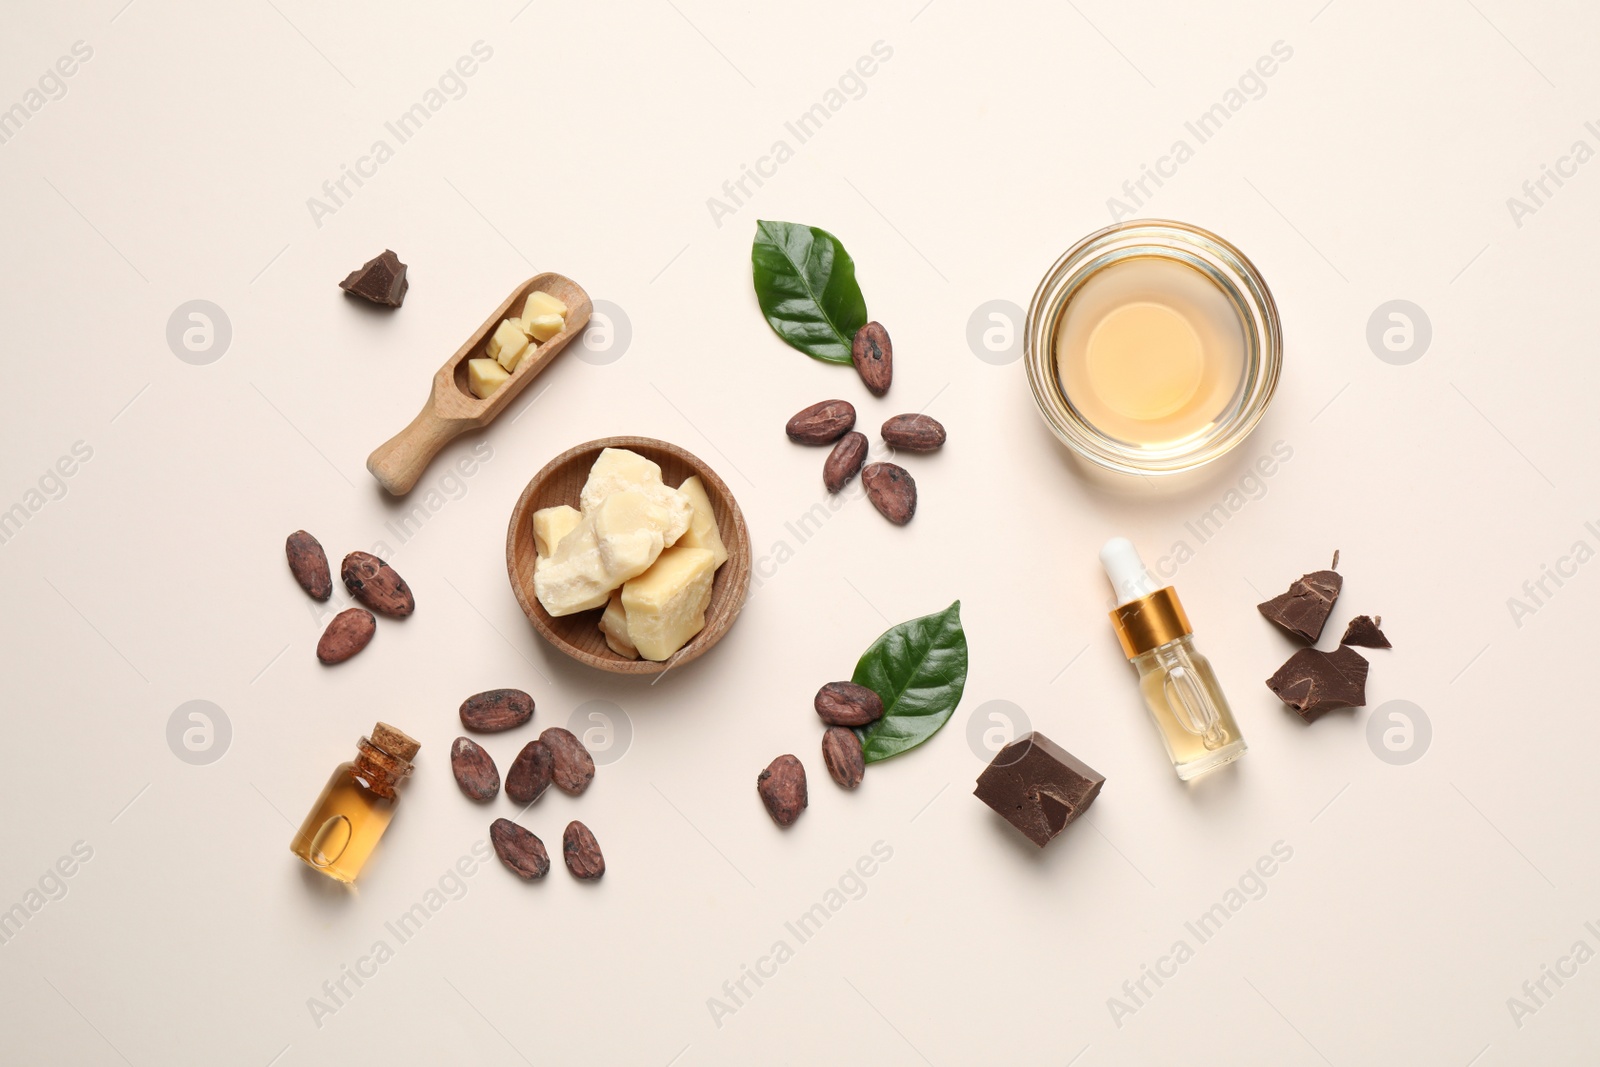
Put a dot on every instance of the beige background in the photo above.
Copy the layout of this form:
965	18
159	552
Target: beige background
1375	166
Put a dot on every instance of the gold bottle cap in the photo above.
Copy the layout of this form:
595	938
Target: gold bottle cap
1150	621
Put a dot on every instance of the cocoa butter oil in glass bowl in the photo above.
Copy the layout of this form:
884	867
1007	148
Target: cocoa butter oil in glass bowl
1152	347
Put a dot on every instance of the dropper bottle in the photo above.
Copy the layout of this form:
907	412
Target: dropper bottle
1177	682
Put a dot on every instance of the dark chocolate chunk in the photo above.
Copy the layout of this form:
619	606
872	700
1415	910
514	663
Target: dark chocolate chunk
381	279
1313	682
1363	630
1305	608
1038	786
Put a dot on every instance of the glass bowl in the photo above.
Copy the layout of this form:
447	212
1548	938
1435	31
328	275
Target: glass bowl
1220	263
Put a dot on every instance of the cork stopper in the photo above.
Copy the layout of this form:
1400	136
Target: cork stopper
384	759
395	742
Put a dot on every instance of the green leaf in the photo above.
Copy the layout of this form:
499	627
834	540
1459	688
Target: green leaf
919	668
806	283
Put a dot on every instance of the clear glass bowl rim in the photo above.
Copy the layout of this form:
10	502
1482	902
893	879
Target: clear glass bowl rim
1244	285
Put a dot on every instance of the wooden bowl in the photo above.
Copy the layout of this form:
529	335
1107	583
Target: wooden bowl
579	635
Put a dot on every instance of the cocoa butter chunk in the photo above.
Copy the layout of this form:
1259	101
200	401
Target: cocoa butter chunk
1363	630
375	584
309	565
1038	786
847	704
873	357
1313	682
519	849
495	710
783	789
582	852
1304	609
822	423
381	279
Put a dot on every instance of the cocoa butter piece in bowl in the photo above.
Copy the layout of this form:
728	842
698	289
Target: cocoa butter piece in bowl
841	752
847	704
892	491
873	357
474	770
574	767
914	433
530	772
350	631
783	789
582	852
519	849
309	565
375	584
495	710
843	462
822	423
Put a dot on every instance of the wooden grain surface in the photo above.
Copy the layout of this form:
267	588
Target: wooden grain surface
451	409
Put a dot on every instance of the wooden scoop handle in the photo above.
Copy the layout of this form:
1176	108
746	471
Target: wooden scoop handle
400	461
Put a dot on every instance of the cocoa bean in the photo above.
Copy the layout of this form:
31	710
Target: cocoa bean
475	771
530	772
496	710
349	632
783	789
914	433
375	584
848	704
309	564
843	462
892	491
582	852
821	423
841	751
519	849
873	356
574	767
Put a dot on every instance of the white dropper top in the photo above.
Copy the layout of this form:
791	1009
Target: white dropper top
1126	570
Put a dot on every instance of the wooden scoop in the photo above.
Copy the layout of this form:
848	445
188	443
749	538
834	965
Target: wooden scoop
452	410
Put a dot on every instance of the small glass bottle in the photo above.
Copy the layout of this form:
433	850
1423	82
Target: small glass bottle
356	805
1177	682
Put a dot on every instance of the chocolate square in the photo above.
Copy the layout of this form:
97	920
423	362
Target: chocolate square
1038	786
